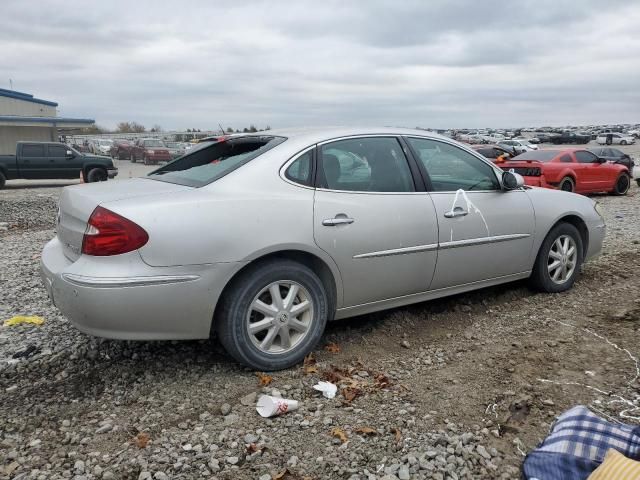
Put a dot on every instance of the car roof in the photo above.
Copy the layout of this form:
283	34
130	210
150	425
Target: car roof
319	134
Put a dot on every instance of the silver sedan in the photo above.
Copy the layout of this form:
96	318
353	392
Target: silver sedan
263	238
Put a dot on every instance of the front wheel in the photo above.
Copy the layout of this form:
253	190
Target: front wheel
559	260
622	184
97	175
132	158
638	181
3	180
272	315
567	184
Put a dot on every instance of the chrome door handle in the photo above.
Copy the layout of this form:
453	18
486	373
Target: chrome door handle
332	222
456	212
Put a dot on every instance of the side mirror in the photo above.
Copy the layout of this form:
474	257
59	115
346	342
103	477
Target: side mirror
602	160
512	180
69	154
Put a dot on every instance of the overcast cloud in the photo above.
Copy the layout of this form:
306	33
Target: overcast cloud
407	62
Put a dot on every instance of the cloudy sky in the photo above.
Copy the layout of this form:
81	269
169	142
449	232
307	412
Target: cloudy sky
435	63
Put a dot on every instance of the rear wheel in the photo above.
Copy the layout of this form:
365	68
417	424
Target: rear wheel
97	175
638	181
145	160
559	260
567	184
132	158
272	315
3	179
623	142
622	184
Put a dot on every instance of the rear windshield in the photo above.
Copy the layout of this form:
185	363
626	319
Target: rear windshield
538	155
214	160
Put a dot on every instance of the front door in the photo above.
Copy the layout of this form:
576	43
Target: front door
484	233
381	233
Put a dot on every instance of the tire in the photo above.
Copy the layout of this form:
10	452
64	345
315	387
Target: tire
542	276
234	315
145	160
3	180
623	142
567	184
622	184
132	157
97	175
638	181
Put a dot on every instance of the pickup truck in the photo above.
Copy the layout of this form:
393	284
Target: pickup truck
570	137
46	160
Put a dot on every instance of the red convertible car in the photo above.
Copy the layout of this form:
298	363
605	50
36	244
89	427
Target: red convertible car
570	169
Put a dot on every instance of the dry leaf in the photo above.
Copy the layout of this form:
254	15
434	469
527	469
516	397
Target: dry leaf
142	439
382	381
332	347
280	475
350	394
309	365
397	433
264	379
339	433
366	431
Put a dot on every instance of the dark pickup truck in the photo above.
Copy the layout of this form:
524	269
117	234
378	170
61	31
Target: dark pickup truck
46	160
570	137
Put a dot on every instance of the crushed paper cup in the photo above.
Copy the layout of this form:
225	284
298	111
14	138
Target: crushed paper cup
328	389
271	406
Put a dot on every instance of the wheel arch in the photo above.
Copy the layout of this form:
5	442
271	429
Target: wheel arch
326	270
580	225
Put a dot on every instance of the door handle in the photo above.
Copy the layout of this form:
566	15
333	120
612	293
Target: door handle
337	220
456	212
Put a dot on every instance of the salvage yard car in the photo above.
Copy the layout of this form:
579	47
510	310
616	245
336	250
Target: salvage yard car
571	170
150	150
49	160
263	238
615	139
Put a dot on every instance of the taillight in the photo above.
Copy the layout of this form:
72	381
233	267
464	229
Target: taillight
108	233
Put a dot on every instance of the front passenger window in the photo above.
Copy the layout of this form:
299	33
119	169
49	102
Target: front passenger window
450	168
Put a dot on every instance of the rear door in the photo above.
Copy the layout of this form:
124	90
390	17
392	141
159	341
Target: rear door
483	232
372	219
33	161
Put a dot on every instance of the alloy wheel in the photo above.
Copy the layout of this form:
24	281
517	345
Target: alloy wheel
562	259
280	317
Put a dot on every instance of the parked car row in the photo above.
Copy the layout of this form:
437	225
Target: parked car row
151	151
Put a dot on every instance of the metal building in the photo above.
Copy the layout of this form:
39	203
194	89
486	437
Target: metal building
26	118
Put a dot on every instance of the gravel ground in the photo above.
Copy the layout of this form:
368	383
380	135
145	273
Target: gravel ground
455	388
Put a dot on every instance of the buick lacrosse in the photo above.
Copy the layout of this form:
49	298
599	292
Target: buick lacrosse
263	238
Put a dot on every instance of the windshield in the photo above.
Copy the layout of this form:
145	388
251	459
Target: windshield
105	142
153	143
212	161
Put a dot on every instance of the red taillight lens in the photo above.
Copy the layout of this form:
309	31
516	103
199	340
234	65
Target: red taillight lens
108	233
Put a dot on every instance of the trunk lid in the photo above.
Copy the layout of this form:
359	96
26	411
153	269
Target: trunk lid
78	202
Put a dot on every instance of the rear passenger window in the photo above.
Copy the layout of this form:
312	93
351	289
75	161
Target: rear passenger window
33	150
375	164
566	159
450	168
300	170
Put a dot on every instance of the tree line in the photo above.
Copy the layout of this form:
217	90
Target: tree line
135	127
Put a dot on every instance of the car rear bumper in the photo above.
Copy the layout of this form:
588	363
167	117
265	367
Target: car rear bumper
112	172
124	298
597	232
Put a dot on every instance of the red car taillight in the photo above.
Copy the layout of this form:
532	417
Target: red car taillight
108	233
